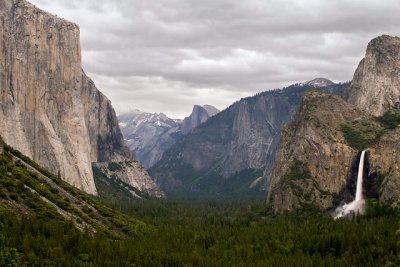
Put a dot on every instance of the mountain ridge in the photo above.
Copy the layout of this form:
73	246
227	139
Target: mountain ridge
318	151
239	142
148	135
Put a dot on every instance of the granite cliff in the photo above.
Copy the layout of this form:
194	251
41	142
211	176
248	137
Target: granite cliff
49	109
319	150
199	115
148	135
228	154
314	159
376	83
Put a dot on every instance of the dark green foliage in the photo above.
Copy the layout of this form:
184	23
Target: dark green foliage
375	209
361	134
364	134
8	256
210	234
212	143
185	233
389	120
32	194
212	185
115	166
113	190
298	171
300	183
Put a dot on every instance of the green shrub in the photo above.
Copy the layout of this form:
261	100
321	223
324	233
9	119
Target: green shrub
115	166
298	171
361	135
389	120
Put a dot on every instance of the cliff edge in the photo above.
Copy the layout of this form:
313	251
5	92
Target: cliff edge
49	109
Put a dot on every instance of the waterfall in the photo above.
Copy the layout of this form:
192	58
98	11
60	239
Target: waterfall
360	177
357	205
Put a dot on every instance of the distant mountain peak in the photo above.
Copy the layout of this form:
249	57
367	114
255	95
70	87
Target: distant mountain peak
376	83
150	134
319	82
199	115
211	110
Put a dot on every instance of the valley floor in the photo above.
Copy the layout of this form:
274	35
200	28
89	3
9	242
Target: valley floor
189	233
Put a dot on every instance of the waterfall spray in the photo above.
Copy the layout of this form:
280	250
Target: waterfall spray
357	205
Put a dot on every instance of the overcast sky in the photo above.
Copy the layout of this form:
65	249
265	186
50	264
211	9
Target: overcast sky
167	55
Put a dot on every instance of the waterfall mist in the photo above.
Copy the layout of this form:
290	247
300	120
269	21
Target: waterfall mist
358	204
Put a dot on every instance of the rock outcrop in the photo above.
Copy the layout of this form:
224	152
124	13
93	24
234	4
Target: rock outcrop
318	151
317	159
199	115
133	174
106	140
320	82
229	153
376	84
148	135
314	160
49	109
385	161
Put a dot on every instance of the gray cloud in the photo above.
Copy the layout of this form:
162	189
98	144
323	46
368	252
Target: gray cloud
166	55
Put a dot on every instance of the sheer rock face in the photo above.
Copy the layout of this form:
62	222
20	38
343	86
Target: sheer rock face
41	108
149	135
243	137
239	138
199	115
107	143
314	162
313	144
385	159
376	83
49	109
132	173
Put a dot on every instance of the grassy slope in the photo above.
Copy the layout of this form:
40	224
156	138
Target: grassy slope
30	190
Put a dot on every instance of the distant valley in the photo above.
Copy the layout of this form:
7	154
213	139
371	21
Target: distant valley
148	135
232	153
306	175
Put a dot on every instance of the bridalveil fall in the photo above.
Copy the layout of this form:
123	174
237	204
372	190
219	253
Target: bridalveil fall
358	204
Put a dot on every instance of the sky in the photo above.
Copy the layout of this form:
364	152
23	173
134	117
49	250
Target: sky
167	55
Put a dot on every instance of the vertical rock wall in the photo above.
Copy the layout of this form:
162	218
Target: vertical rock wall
376	84
49	109
41	110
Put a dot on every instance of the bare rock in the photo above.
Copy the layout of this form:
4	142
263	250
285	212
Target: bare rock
149	135
385	160
313	160
233	149
199	115
49	109
376	84
131	173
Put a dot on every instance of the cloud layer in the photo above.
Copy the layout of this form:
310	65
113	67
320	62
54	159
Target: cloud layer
167	55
